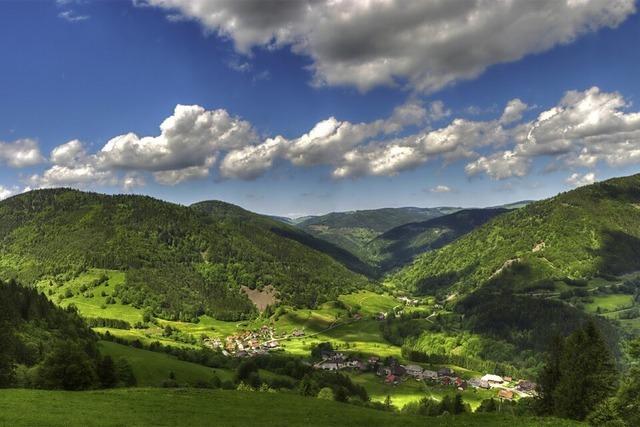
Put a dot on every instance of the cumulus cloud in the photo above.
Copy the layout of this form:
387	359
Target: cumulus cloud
582	130
187	139
578	180
7	192
20	153
428	44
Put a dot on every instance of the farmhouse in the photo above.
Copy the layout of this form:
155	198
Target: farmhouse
414	371
505	394
429	375
526	386
328	366
479	383
445	372
492	379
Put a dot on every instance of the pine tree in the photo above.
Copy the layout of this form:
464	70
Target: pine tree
550	376
587	374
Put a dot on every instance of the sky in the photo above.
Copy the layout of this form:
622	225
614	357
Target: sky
305	107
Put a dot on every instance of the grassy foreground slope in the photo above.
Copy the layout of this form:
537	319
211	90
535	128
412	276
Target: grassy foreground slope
173	407
179	262
590	231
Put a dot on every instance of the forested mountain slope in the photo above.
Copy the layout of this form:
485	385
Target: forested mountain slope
179	261
590	231
400	245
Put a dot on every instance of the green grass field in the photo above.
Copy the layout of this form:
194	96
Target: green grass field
151	368
608	303
184	407
412	390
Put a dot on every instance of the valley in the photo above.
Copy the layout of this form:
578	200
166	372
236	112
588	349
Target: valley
215	297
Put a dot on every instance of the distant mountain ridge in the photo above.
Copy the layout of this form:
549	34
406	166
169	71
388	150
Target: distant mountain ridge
360	232
401	244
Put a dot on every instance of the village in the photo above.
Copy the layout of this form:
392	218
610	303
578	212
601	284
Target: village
251	343
262	341
392	372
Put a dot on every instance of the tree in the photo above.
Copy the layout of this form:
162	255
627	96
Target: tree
107	373
586	376
325	393
67	367
550	376
125	373
387	402
7	361
487	405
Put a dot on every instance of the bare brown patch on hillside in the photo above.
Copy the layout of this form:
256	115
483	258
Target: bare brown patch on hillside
261	298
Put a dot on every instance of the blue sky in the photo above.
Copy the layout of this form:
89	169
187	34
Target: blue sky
92	71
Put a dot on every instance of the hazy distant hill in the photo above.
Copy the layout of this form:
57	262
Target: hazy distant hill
400	245
354	230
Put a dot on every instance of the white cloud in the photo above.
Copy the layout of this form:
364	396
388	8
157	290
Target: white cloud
513	111
584	129
20	153
429	44
188	138
7	192
440	189
71	16
69	154
578	180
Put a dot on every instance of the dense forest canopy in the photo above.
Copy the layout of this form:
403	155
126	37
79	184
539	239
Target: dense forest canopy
179	261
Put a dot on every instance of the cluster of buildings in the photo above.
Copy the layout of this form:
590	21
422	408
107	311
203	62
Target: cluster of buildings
246	343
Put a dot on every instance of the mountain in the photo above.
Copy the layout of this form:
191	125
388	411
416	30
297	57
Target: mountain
591	231
400	245
353	230
179	261
532	273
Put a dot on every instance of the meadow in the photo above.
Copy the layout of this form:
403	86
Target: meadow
169	407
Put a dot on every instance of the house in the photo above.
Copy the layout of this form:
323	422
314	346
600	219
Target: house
398	370
357	316
445	380
460	383
328	366
429	375
492	379
414	371
298	333
479	383
526	386
507	379
374	360
445	372
505	394
391	379
381	316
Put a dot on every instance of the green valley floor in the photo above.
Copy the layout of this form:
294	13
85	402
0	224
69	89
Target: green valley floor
188	407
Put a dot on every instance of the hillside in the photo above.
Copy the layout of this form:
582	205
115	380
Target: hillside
353	230
591	231
229	213
543	269
166	407
398	246
32	330
179	262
